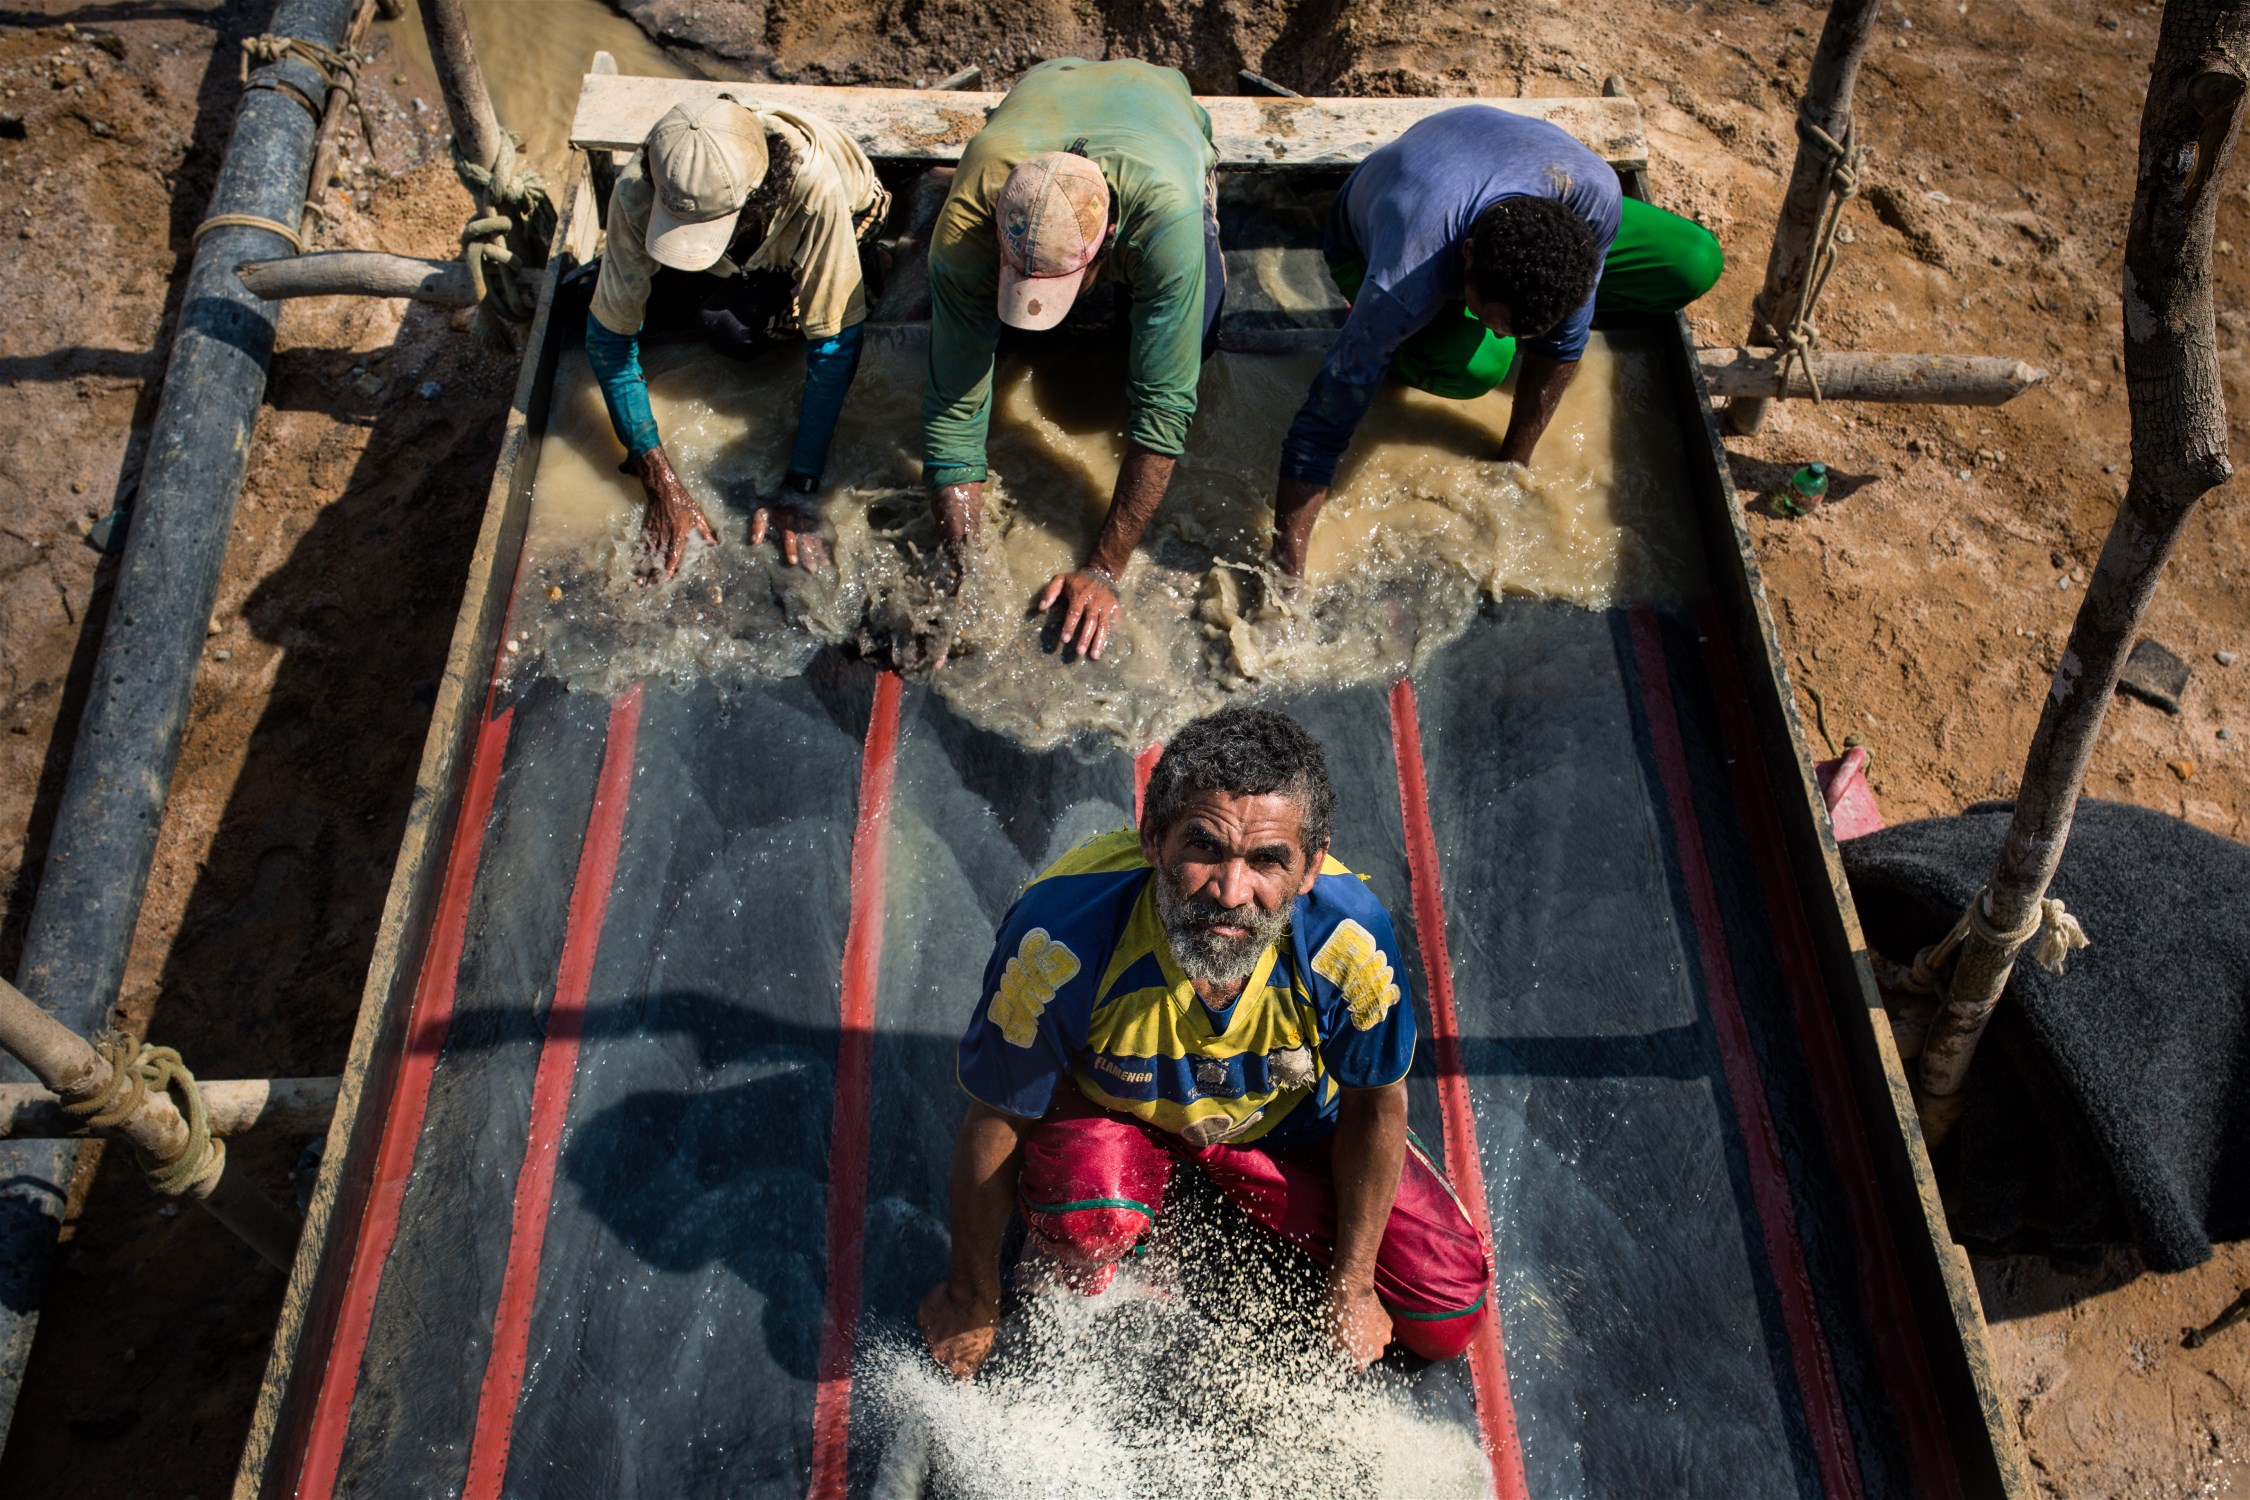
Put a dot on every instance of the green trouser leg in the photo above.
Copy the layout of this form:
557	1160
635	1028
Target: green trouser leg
1658	263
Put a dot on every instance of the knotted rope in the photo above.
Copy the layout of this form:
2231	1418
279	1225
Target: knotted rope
1842	162
248	221
339	65
2057	931
506	238
135	1069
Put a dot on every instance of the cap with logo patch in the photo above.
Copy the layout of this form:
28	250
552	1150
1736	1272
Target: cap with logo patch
1053	218
705	159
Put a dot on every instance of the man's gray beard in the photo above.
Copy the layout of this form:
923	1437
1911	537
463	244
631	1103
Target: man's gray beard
1203	954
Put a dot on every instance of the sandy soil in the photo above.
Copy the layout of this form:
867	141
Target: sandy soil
1922	609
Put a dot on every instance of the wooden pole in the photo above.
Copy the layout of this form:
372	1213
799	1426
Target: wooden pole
237	1106
1827	105
476	129
74	1072
1923	379
360	273
2188	129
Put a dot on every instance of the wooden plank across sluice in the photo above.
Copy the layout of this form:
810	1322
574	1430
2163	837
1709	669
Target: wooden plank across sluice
616	112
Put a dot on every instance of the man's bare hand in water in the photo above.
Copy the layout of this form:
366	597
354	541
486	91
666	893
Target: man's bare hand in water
1357	1322
957	509
1296	506
959	1327
668	519
797	531
1088	600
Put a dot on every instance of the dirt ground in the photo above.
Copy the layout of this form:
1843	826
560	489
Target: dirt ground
1923	608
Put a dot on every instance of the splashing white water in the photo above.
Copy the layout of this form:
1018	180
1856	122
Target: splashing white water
1136	1395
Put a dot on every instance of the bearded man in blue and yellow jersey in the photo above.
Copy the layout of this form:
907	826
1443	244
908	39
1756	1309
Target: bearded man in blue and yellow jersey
1210	989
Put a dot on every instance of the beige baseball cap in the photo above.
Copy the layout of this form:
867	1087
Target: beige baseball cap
1053	219
705	158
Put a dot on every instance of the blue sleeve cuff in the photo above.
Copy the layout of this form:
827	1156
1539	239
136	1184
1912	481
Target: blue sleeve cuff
830	364
616	358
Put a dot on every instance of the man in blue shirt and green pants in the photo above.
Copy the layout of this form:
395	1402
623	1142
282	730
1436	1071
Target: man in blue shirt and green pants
1476	230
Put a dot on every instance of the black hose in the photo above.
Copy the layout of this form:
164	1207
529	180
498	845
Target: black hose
90	890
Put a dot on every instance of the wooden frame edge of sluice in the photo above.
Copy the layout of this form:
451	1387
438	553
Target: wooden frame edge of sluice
1983	1447
1986	1453
381	1031
616	111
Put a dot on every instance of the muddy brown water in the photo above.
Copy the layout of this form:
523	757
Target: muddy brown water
1423	528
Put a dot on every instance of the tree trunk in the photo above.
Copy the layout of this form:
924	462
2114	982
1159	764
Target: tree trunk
1828	105
360	273
476	129
1925	379
2188	129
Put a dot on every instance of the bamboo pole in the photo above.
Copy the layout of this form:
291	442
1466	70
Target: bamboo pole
1827	106
328	145
2188	128
285	1106
75	1072
360	273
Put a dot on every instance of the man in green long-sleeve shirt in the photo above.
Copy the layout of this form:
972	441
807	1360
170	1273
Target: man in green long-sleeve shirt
1084	170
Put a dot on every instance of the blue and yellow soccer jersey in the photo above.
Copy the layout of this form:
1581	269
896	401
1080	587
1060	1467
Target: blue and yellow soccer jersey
1083	984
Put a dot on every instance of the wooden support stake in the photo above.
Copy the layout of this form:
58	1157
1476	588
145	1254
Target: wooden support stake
1258	83
237	1106
2188	129
476	129
1828	105
360	273
70	1067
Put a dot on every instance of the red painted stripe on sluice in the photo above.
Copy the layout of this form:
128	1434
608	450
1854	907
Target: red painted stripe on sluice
855	1067
1143	764
550	1103
1488	1361
428	1019
1823	1404
1890	1310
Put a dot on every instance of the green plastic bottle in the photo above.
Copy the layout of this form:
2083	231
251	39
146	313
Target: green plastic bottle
1807	488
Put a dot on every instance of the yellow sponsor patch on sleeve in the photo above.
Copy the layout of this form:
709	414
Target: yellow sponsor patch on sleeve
1353	961
1041	967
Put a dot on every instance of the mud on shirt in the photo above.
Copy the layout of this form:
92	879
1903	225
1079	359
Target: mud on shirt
1083	984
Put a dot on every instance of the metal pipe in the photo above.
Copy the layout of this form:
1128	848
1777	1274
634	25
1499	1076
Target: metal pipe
128	741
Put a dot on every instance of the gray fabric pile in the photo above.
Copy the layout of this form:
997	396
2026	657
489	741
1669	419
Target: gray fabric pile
2109	1105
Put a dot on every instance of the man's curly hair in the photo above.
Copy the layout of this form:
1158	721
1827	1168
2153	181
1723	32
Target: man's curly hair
1244	752
1536	256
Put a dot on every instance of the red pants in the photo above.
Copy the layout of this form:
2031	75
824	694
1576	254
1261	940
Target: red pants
1093	1184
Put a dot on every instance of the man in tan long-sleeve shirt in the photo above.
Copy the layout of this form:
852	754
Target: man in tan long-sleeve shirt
770	211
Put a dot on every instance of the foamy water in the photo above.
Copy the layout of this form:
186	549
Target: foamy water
1136	1395
1423	528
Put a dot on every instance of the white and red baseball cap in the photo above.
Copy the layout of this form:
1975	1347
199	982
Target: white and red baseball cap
705	159
1053	220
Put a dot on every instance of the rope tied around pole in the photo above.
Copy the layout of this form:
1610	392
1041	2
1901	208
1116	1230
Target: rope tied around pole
1842	163
136	1069
506	238
339	65
2059	934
